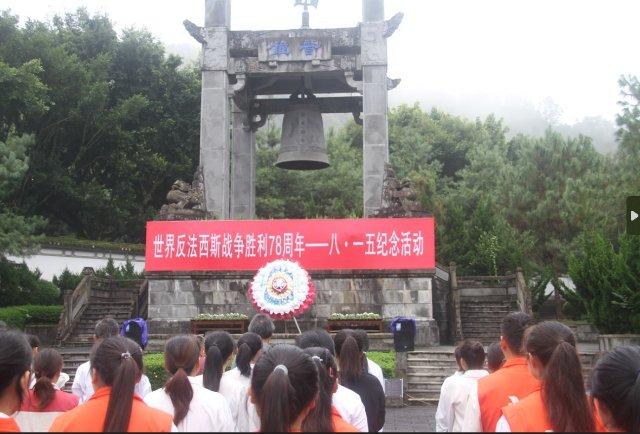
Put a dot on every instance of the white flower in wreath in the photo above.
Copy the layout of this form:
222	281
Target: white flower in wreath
280	287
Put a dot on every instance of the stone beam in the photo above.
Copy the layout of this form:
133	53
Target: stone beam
346	104
246	43
214	116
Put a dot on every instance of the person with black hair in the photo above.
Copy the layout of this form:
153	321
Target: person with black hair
236	382
324	417
561	405
455	389
352	375
15	365
262	325
219	348
345	400
495	357
615	389
116	367
372	367
45	400
284	387
194	408
82	382
510	383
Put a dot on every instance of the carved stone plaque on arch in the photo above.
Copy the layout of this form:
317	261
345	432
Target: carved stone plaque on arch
294	49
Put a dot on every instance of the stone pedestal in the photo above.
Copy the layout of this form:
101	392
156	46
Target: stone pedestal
174	299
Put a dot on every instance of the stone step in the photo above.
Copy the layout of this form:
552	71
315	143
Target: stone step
421	398
419	363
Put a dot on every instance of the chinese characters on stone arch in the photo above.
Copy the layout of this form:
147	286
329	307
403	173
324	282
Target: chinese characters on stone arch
366	244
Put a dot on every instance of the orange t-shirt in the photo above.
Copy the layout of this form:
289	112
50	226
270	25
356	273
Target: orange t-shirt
8	425
494	390
528	415
339	424
90	416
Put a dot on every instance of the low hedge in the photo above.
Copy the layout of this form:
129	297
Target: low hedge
19	316
386	360
154	366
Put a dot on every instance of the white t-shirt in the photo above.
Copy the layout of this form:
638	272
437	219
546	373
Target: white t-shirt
350	407
235	388
83	387
208	410
453	400
376	371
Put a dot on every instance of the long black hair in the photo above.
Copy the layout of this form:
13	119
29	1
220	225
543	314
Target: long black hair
47	364
118	363
563	392
350	356
284	383
181	355
15	360
615	383
249	345
218	347
319	419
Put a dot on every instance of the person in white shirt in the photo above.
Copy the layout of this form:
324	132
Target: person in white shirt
219	348
455	390
194	408
235	384
346	401
82	384
262	325
372	367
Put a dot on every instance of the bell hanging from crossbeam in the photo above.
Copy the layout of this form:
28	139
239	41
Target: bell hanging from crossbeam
303	146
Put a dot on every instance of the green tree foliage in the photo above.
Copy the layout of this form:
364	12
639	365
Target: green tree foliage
607	282
68	281
122	123
19	285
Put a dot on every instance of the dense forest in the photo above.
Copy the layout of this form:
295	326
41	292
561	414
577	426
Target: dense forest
95	126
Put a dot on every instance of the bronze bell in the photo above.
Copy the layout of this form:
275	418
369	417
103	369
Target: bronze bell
303	146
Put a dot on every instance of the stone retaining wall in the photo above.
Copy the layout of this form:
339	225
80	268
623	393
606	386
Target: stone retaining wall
174	299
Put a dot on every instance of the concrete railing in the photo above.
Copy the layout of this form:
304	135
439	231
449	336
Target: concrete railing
75	303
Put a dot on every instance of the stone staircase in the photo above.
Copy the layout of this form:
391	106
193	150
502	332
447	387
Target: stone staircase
428	368
481	315
103	297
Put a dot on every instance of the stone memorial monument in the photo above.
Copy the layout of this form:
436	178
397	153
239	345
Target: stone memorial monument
299	73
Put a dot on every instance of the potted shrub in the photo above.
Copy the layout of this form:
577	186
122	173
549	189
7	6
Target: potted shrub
230	322
366	321
607	280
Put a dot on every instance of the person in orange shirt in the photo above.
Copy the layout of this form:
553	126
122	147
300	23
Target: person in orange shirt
561	405
15	365
284	385
615	389
116	367
510	383
325	417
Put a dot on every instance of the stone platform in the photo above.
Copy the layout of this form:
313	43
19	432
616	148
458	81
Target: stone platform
174	299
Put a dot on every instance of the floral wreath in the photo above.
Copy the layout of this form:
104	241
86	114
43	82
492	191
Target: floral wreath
282	289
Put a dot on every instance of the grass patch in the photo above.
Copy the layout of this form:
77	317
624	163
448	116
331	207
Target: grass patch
386	360
154	367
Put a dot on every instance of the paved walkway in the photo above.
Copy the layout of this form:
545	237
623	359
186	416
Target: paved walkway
411	419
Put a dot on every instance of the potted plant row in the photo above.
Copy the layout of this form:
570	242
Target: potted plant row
230	322
365	321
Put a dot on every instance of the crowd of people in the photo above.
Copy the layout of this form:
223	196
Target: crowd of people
321	384
533	382
530	381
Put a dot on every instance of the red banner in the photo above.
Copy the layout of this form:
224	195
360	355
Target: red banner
351	244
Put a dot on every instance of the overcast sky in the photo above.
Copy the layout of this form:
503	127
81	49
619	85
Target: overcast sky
570	50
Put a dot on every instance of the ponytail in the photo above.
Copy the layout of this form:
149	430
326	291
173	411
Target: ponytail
615	383
563	392
47	364
218	346
249	345
181	355
350	356
284	384
319	419
118	363
275	403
